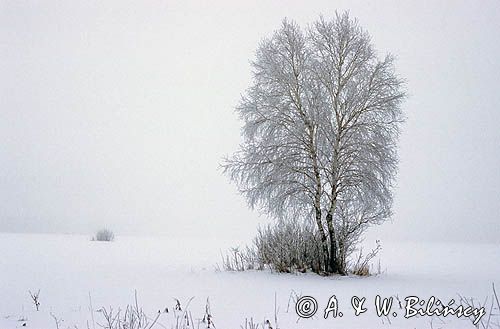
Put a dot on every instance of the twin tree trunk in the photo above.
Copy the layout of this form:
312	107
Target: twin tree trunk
324	242
331	258
334	265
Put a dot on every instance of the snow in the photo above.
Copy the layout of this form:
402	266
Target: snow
69	268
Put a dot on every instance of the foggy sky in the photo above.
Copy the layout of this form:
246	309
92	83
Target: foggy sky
117	114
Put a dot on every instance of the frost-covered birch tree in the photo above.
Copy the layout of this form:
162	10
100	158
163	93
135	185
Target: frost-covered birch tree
321	123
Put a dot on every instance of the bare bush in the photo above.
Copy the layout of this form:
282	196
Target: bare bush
289	246
104	235
286	246
132	317
240	260
492	308
266	324
293	246
361	263
250	324
36	299
177	316
57	320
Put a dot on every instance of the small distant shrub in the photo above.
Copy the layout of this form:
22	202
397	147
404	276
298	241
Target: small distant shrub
104	235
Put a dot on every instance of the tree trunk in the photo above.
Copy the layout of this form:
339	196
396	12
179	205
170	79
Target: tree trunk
332	263
335	264
324	242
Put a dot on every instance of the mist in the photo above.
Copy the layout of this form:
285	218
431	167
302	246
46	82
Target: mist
118	114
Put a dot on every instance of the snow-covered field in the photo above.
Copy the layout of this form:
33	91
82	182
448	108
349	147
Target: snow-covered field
68	268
